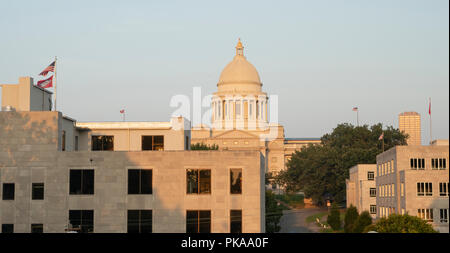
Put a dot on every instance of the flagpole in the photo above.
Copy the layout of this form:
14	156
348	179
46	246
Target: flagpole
431	126
357	117
55	82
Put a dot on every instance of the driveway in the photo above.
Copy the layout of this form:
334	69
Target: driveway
294	221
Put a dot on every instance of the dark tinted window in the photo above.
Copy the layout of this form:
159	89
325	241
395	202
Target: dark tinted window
198	221
236	221
192	181
8	191
7	228
81	182
37	191
103	143
153	142
236	181
82	220
139	221
139	181
37	228
198	181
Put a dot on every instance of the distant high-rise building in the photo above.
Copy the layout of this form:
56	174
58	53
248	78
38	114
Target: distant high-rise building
409	123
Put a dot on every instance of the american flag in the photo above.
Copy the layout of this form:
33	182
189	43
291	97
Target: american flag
381	137
122	111
46	83
355	109
50	68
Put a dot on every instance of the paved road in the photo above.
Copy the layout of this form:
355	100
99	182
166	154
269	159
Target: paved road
294	221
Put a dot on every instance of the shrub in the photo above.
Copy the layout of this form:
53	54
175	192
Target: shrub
351	215
334	219
362	222
397	223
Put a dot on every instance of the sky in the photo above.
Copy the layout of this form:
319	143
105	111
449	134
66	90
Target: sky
321	58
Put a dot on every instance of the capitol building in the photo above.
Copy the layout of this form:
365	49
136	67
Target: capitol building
240	117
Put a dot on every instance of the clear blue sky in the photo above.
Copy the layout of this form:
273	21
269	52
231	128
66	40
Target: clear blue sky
321	58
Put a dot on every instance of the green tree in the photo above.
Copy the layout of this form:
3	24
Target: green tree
334	219
273	213
202	146
364	220
320	169
351	215
397	223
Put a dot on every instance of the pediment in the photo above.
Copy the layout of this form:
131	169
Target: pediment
235	134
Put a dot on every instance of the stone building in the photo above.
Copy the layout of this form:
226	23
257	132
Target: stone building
415	180
59	175
409	123
361	188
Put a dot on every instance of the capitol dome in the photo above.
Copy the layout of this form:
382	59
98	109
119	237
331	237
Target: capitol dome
239	74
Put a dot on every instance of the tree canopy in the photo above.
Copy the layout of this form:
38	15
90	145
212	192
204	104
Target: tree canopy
397	223
203	146
321	170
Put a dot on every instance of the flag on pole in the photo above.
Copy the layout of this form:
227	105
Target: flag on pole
429	108
46	83
122	111
50	68
355	109
381	137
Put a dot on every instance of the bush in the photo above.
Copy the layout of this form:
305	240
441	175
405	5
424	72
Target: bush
362	222
273	213
203	146
351	215
397	223
334	219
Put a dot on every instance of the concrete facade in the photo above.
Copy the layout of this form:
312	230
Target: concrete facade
409	123
402	170
359	187
31	152
25	96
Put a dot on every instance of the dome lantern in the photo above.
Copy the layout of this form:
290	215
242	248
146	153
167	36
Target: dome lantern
239	48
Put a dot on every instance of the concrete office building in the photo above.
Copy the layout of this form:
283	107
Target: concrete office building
361	188
414	179
59	175
409	123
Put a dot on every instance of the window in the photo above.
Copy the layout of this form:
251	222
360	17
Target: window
105	143
140	181
238	109
198	181
235	221
81	181
402	189
373	192
370	175
76	143
236	181
37	228
439	163
426	214
37	191
186	143
63	141
7	228
153	142
424	189
417	163
392	190
198	221
82	220
443	189
373	209
443	215
139	221
8	191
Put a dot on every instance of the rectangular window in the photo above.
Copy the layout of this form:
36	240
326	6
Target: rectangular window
37	192
7	228
443	189
198	221
102	143
426	214
81	181
8	191
140	181
81	220
186	144
235	221
63	141
140	221
236	181
198	181
402	189
370	175
443	215
392	190
151	142
76	143
373	209
373	192
37	228
424	189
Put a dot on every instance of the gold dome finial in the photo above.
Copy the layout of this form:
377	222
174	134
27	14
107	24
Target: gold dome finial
239	48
